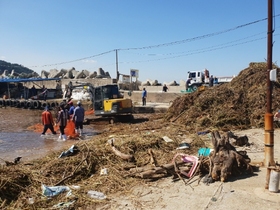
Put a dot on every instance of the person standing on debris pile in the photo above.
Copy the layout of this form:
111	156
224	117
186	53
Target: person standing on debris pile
216	81
188	82
144	97
78	118
63	117
47	121
211	81
164	88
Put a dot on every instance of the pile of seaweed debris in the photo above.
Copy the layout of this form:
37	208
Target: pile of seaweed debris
240	104
20	184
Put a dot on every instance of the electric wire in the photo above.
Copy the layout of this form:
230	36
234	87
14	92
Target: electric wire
162	45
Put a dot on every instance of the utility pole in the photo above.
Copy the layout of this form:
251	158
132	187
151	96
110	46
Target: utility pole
117	68
268	123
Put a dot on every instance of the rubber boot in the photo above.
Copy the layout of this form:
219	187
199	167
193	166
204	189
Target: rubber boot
81	132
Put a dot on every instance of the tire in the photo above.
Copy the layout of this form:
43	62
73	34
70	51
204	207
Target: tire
44	104
29	104
8	102
53	105
36	104
17	104
194	88
22	104
13	103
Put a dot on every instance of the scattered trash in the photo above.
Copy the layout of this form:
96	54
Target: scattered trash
71	151
53	191
203	132
274	181
188	159
193	160
183	146
17	159
104	171
111	141
96	195
204	151
30	201
167	139
63	204
207	179
76	187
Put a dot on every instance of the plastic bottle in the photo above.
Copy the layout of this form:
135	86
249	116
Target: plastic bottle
274	181
96	195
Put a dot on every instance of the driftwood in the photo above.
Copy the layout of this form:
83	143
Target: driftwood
239	140
119	153
122	155
225	160
153	160
8	163
149	171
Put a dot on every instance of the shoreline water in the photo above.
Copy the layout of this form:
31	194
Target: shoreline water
18	140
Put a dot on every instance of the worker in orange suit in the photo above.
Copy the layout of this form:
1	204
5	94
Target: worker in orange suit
47	121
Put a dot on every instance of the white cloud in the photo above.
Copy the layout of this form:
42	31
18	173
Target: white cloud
2	57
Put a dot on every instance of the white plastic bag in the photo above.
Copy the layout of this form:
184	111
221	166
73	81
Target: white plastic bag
53	191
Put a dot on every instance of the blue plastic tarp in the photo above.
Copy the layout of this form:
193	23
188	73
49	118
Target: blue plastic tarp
28	79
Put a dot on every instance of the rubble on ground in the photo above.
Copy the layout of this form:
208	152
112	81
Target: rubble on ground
147	149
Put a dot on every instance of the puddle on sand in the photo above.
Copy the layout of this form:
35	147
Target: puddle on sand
28	145
18	141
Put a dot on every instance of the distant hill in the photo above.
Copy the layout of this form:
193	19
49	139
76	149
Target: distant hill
18	69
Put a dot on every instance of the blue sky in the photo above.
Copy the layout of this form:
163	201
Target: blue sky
163	39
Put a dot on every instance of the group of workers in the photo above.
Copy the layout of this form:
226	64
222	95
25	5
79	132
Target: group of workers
76	114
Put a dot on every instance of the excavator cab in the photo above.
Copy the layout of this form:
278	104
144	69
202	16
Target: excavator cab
107	101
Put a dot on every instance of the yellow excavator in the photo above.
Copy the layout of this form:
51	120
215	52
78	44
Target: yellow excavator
107	101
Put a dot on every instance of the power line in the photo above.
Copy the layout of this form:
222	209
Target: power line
198	37
162	45
168	54
218	47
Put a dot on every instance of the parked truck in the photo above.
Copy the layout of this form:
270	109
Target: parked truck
201	78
